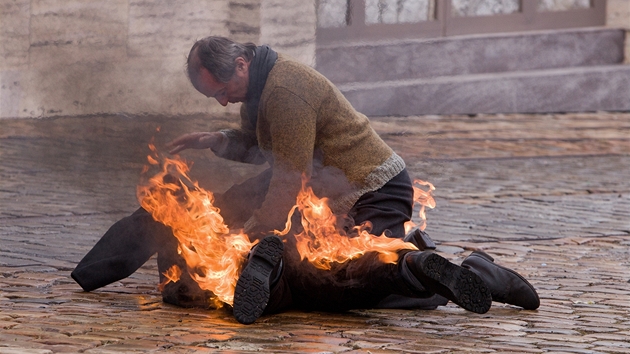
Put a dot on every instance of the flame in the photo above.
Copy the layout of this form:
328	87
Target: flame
214	255
322	243
425	199
172	275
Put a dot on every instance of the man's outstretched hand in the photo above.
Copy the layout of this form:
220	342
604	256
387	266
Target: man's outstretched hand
199	140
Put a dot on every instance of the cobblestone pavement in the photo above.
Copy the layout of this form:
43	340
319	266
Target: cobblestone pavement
547	195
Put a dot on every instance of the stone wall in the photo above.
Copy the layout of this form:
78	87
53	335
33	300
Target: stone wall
78	57
618	15
289	27
82	57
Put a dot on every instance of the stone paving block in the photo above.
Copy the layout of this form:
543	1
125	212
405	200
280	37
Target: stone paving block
510	349
23	350
608	349
598	329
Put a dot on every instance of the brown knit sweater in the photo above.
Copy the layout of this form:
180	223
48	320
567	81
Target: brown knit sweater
305	125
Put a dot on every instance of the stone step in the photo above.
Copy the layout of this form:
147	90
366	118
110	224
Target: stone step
474	54
579	89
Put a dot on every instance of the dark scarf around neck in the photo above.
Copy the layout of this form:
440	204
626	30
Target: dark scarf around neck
259	68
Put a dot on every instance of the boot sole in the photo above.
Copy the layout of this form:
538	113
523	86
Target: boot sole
252	291
457	284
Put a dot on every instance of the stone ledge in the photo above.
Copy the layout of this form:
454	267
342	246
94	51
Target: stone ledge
585	89
473	54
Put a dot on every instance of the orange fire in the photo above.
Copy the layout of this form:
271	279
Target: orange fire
322	243
215	255
172	275
425	199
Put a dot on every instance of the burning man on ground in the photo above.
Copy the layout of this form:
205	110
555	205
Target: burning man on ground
322	229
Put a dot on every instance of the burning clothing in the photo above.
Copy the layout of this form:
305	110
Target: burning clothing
305	125
131	241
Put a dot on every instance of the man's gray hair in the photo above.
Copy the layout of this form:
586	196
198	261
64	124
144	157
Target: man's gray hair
217	55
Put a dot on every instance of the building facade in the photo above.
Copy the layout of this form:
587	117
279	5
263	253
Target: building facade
81	57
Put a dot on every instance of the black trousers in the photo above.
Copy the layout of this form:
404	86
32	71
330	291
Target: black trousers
361	283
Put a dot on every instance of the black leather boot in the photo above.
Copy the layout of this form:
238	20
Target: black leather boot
442	277
254	285
395	301
506	285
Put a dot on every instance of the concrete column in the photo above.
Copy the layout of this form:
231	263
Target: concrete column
618	15
288	26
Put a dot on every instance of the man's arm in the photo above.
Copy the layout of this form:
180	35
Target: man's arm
232	144
199	140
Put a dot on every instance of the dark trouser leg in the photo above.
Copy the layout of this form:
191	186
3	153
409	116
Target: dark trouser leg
359	283
124	248
281	297
405	302
387	208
